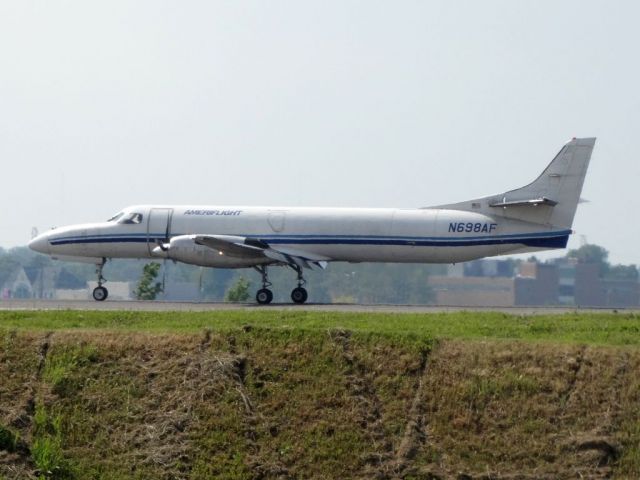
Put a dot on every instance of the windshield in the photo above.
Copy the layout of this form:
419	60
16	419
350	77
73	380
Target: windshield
115	217
130	218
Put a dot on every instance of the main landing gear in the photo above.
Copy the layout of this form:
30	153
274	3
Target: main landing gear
264	296
100	293
299	294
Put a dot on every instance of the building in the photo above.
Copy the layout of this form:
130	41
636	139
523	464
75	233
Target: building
589	288
536	284
472	291
621	293
15	284
564	281
43	281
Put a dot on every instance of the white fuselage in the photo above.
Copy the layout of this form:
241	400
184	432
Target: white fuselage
537	216
338	234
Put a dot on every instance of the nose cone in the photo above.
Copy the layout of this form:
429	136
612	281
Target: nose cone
40	244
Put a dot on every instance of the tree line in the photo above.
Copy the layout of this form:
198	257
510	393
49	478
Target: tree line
339	283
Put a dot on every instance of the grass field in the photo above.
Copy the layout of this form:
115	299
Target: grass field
294	394
592	328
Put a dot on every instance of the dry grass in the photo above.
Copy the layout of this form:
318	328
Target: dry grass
505	408
283	403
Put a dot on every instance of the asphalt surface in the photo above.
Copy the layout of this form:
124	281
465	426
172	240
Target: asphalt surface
160	306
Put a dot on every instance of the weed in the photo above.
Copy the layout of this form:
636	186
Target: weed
46	449
48	457
482	388
62	362
629	462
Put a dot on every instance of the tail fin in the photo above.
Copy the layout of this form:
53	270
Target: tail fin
551	199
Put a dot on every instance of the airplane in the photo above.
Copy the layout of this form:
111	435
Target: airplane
538	216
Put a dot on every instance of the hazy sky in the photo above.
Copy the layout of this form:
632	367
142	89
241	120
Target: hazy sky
346	103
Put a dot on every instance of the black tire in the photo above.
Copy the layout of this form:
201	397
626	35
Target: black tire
100	294
264	296
299	295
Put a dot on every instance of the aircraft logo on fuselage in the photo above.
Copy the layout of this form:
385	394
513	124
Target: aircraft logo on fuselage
213	212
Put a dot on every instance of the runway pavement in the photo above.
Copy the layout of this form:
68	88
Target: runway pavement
160	306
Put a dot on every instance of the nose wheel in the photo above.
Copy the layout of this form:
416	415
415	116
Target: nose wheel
100	293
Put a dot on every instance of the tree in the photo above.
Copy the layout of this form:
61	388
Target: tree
592	254
589	254
239	291
623	272
146	289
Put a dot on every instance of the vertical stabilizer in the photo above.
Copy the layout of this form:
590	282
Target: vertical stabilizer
551	199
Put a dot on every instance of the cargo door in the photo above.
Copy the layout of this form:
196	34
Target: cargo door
158	227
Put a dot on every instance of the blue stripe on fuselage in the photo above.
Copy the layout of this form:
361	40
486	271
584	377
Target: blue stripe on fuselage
537	239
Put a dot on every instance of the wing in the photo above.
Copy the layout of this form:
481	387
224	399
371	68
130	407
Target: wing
247	247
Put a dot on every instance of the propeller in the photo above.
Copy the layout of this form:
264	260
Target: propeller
164	278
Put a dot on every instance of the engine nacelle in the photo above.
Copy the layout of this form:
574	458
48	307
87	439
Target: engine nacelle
184	249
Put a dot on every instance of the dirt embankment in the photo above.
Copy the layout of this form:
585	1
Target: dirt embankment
279	404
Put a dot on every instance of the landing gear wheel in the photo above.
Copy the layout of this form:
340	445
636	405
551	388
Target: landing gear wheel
264	296
299	295
100	294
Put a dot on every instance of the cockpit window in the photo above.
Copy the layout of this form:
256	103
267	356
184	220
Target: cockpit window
115	217
131	218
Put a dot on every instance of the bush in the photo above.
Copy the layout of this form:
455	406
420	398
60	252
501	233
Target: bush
239	291
146	289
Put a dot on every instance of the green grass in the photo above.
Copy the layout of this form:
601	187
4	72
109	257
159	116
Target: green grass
47	446
590	328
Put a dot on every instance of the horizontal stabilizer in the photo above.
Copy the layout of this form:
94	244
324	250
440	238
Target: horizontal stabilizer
525	203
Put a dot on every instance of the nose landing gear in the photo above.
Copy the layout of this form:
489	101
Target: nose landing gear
100	293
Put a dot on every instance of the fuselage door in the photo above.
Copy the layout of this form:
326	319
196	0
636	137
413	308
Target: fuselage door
158	227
